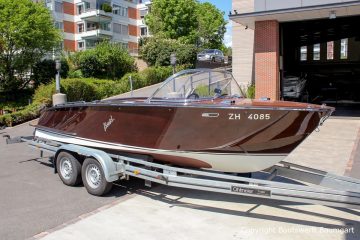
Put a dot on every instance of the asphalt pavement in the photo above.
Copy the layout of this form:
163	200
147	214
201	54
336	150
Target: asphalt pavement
33	198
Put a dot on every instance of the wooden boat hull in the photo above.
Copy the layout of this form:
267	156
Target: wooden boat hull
223	138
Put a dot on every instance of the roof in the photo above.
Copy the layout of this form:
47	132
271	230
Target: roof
350	8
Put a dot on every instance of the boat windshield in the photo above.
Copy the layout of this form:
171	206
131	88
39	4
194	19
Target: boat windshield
198	83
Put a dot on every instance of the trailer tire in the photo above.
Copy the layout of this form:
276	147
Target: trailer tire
94	178
68	168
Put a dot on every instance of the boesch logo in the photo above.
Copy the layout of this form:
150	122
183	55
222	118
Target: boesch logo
108	123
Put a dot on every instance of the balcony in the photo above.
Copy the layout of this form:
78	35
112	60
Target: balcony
95	15
96	33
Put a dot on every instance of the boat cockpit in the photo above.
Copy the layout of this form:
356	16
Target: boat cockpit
197	85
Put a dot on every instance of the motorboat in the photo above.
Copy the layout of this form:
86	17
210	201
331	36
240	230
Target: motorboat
197	118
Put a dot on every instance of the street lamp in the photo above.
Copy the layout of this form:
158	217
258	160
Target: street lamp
173	61
58	68
58	98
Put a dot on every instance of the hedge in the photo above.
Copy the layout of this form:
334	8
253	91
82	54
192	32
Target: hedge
79	89
30	112
86	89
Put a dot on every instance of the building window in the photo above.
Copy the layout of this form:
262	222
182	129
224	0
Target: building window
125	30
117	28
87	5
59	25
143	13
330	50
59	7
82	7
91	26
120	10
121	29
81	45
344	48
303	53
143	31
316	52
80	27
91	43
105	26
49	4
124	45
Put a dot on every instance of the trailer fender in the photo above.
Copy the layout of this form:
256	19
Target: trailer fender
108	165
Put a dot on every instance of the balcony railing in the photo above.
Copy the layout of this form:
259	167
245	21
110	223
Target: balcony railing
95	15
96	33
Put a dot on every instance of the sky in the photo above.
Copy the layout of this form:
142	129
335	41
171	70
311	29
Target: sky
225	6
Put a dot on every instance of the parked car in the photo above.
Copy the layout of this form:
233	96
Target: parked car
212	55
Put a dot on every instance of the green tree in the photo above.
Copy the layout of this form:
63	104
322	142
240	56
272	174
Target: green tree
106	60
156	51
211	26
188	21
175	19
44	71
27	33
226	50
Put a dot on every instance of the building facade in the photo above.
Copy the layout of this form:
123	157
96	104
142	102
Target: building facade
85	23
315	40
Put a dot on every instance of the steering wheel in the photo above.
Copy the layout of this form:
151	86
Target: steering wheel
193	95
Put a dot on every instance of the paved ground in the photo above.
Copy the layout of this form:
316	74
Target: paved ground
142	92
32	197
170	213
333	148
173	213
33	200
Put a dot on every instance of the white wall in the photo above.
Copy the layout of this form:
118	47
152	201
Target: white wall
243	45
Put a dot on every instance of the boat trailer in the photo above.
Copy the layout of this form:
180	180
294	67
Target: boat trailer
96	165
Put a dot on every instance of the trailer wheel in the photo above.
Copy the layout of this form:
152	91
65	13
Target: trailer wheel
68	168
93	178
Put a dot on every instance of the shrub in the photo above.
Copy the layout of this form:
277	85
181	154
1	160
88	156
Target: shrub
250	91
155	75
43	94
86	89
75	74
138	80
149	76
106	7
79	90
28	113
156	51
107	61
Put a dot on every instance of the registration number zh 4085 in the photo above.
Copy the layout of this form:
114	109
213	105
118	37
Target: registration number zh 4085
252	116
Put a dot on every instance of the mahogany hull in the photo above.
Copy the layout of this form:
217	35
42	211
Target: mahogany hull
224	138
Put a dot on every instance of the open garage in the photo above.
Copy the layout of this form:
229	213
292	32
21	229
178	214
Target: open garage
299	50
321	61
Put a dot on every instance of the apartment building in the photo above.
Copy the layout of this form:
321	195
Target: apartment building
85	23
276	42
